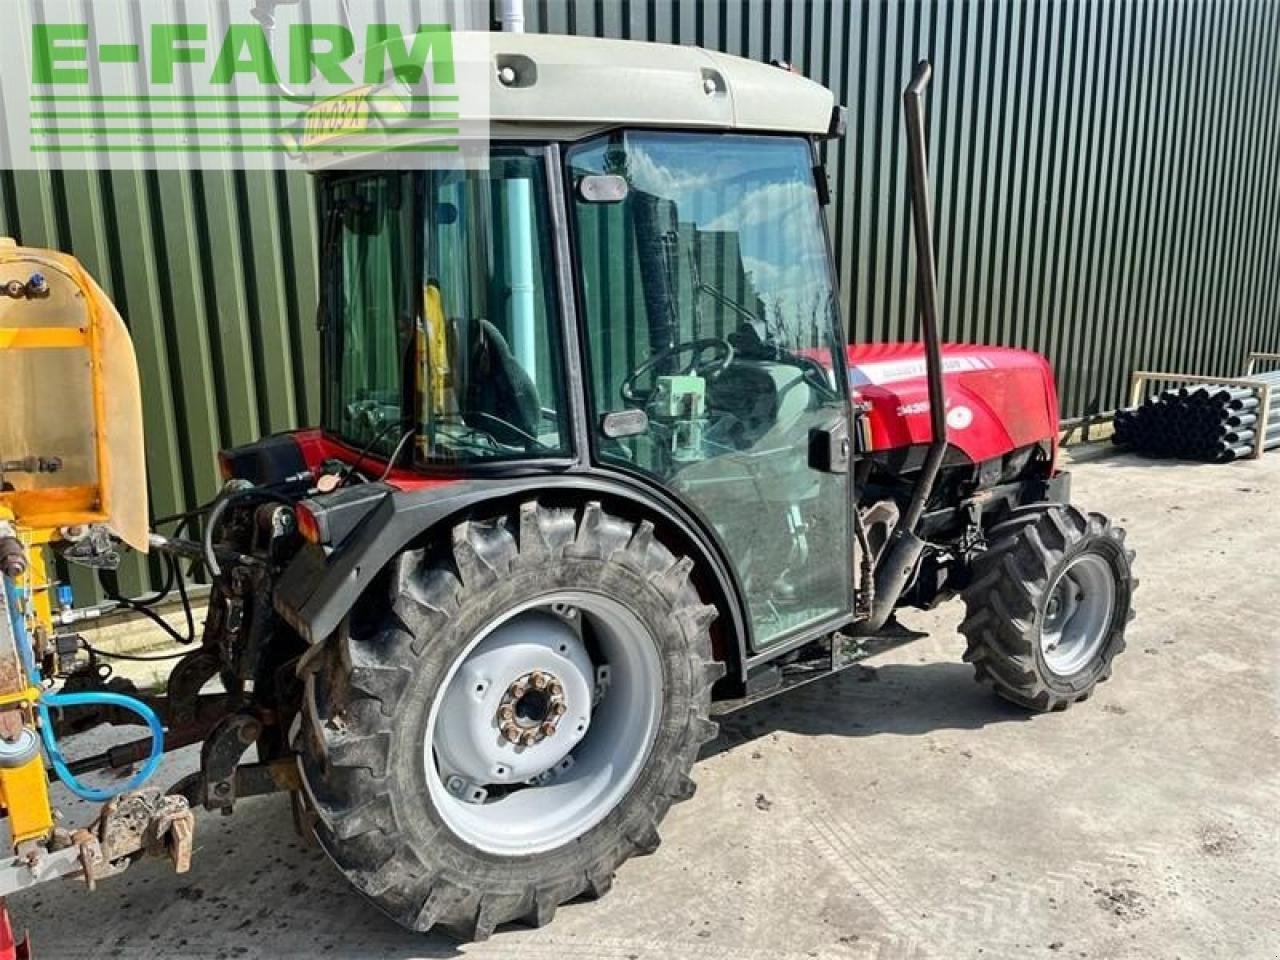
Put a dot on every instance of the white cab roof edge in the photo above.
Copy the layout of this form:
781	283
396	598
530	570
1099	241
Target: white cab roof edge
593	82
551	87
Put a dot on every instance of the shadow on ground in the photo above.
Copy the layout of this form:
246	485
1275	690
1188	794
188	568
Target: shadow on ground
203	914
866	701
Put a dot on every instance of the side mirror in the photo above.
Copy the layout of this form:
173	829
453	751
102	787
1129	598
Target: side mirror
603	188
829	447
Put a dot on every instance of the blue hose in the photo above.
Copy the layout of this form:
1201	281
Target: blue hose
20	632
56	701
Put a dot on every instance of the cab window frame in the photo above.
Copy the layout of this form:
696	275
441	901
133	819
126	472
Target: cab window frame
755	650
331	286
558	327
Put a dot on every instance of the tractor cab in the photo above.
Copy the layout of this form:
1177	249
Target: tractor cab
636	283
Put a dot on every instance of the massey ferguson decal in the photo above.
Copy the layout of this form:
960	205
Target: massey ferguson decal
891	371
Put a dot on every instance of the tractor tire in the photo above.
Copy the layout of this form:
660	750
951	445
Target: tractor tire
465	620
1047	605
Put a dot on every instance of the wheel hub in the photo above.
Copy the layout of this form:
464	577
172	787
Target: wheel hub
531	708
518	705
1077	614
1060	609
530	742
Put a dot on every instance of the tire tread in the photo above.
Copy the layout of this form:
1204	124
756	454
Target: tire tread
1003	599
357	688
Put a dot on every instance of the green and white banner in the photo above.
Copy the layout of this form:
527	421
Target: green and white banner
243	84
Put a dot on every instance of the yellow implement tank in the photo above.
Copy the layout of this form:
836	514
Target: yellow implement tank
71	457
71	447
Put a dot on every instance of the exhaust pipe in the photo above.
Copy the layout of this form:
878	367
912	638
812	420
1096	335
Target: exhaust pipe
902	553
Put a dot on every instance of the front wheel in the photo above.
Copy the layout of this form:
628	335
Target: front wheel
519	723
1048	605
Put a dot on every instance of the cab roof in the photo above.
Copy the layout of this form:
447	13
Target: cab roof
592	82
554	87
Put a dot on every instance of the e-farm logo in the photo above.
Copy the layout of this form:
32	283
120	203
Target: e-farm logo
145	89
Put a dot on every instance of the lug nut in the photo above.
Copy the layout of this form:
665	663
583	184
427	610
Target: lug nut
530	739
548	728
506	715
512	734
517	690
557	690
538	680
559	709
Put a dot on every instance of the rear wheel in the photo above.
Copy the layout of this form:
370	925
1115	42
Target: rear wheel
518	725
1048	605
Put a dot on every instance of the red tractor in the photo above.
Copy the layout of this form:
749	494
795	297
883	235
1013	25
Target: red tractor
595	464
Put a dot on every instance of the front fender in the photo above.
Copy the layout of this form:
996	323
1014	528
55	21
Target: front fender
318	589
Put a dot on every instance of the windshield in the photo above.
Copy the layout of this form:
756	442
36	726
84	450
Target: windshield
441	315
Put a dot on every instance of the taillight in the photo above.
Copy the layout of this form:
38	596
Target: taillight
308	525
224	466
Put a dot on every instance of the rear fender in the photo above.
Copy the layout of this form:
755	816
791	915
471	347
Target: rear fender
317	590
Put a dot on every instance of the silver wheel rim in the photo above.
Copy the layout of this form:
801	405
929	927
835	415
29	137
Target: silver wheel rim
1078	614
530	743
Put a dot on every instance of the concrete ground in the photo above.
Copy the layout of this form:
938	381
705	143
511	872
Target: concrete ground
896	810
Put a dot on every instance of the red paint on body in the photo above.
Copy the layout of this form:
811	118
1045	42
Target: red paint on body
318	446
998	398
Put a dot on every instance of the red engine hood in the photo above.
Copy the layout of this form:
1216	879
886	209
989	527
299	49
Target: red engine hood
998	399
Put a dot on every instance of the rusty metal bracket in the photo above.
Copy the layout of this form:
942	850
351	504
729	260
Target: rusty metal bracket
143	822
247	780
220	756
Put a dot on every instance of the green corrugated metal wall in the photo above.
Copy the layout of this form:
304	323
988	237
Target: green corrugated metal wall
1105	183
215	274
1104	173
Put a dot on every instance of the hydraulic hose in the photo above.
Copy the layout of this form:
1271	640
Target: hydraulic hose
49	700
55	701
220	506
215	517
20	633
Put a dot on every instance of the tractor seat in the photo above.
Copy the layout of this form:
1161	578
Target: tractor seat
501	398
747	392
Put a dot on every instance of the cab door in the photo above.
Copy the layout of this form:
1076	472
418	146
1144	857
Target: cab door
714	351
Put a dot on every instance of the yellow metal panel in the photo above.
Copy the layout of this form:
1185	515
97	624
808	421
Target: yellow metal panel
42	338
24	792
39	595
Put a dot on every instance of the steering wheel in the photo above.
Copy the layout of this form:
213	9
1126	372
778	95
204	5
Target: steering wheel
711	368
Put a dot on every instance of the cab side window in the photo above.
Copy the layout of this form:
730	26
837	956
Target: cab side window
709	308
